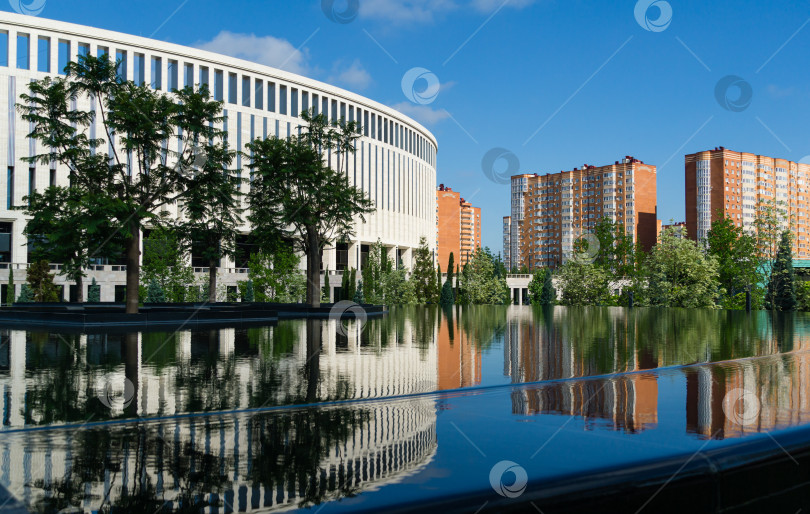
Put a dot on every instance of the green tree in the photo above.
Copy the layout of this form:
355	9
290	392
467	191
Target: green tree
397	289
536	285
447	298
374	272
583	283
770	222
547	295
482	285
248	294
680	274
40	282
782	284
450	268
616	248
154	293
358	297
212	203
10	291
165	261
121	189
94	292
296	195
736	255
276	277
26	296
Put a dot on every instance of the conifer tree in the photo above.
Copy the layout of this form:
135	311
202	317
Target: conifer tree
782	285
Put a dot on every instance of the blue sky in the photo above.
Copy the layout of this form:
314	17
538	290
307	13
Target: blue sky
558	83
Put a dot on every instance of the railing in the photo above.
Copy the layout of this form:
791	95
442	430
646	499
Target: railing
518	276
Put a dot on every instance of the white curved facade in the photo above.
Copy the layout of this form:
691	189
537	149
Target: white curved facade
394	164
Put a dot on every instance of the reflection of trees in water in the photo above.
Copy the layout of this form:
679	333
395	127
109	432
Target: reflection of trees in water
141	468
99	456
612	339
59	389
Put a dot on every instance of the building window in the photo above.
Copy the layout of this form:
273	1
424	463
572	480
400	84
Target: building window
139	70
10	188
157	73
304	101
232	88
219	85
188	75
101	51
282	99
173	83
83	50
245	91
120	59
294	103
32	183
204	76
259	94
64	55
44	54
334	110
23	51
52	179
5	242
3	48
271	96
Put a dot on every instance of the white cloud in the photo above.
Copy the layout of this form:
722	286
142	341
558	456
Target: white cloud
426	11
267	50
353	76
422	113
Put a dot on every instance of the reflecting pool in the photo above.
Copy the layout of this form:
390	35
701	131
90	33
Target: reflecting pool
414	405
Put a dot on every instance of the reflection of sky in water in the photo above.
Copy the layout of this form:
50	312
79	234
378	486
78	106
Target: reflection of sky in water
411	447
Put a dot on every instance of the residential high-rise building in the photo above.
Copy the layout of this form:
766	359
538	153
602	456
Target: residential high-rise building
507	245
557	209
458	227
722	182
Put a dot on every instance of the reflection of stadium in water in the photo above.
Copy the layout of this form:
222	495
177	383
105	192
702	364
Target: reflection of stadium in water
271	459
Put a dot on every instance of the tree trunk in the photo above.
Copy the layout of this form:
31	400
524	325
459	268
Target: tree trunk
212	281
133	246
313	268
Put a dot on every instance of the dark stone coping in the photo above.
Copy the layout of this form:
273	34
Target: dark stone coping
758	474
103	317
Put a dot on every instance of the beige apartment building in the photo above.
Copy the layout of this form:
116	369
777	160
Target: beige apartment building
551	212
722	182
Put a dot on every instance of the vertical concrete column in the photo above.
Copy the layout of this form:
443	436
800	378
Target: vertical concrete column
354	249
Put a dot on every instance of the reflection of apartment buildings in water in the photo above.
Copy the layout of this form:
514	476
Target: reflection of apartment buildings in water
384	443
780	384
459	357
536	352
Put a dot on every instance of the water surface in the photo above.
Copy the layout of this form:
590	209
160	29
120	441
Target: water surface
421	402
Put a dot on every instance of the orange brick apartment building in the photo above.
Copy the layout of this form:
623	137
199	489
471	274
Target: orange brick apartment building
723	182
551	212
458	227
